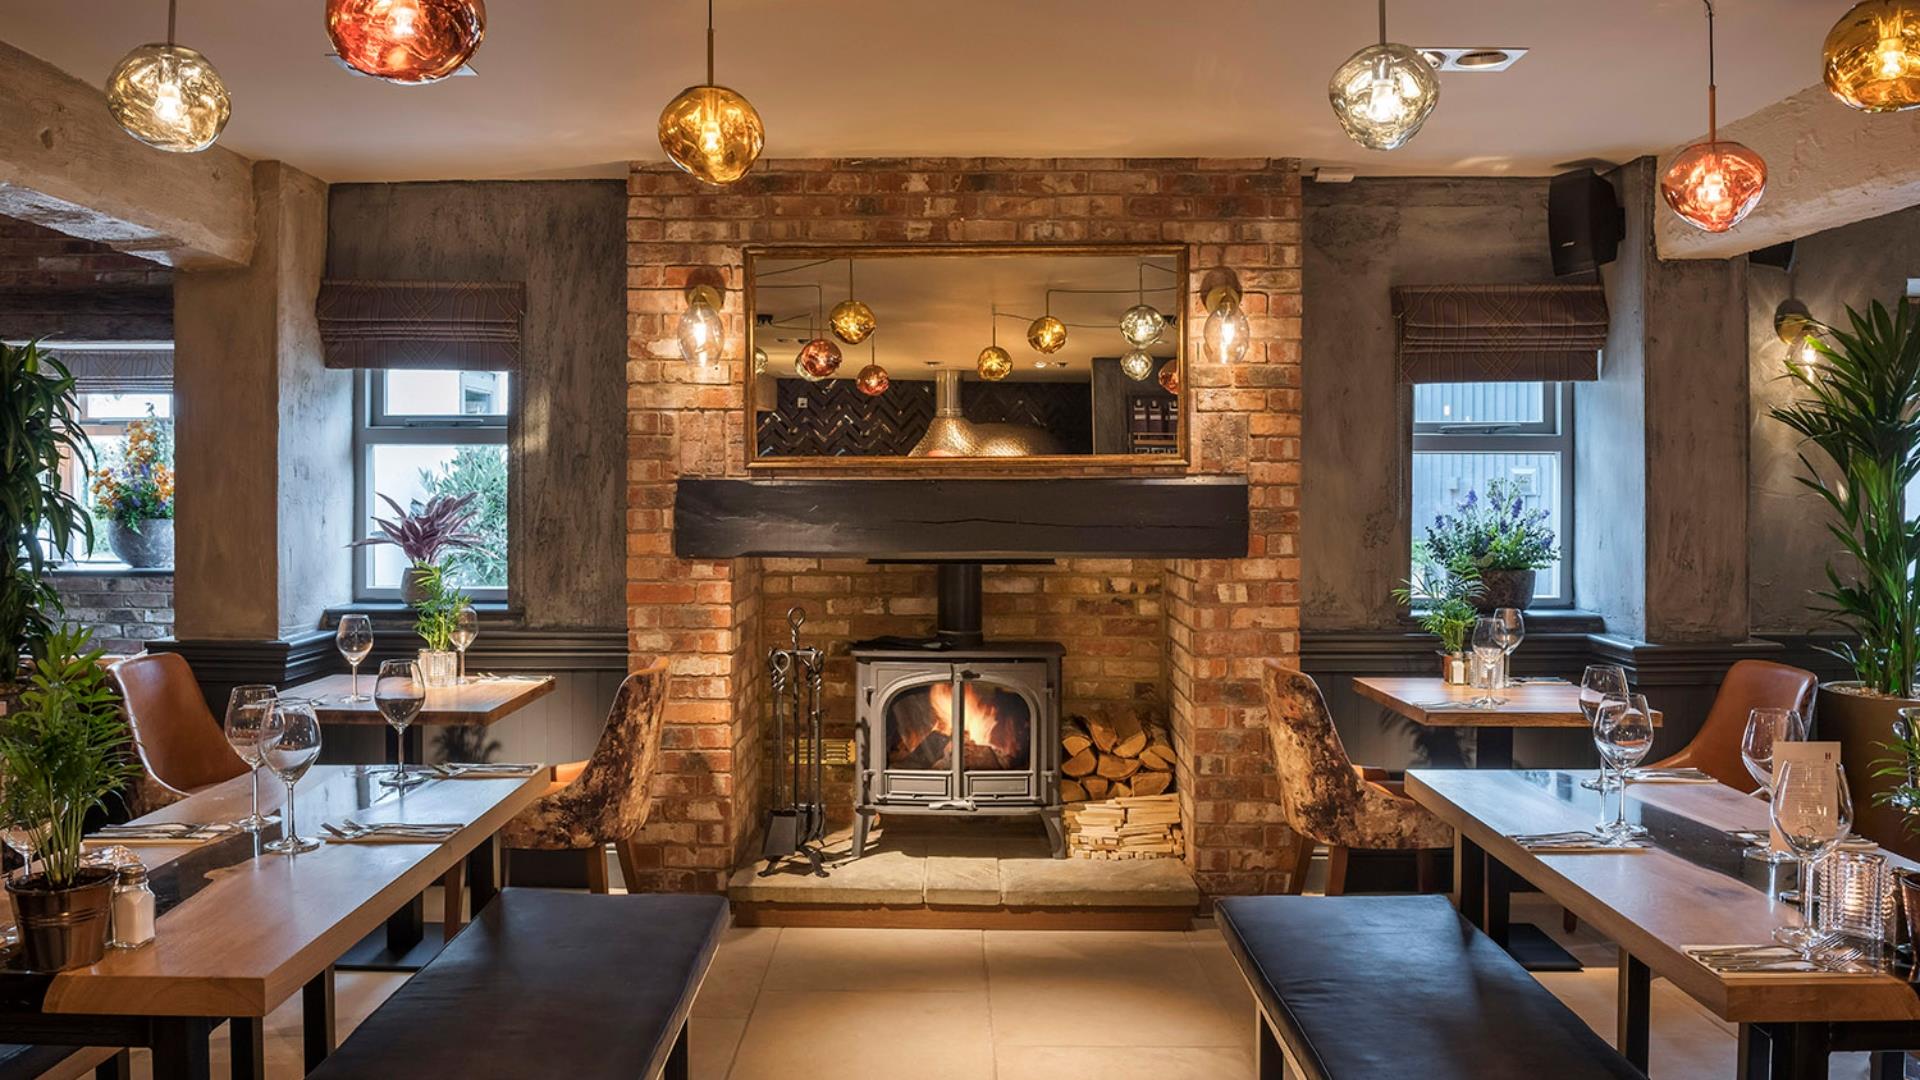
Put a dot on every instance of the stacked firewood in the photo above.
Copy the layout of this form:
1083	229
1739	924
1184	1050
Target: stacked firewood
1114	753
1140	827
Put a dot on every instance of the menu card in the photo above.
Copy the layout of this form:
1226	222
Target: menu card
1818	753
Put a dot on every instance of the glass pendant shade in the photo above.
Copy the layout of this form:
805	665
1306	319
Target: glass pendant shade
1227	332
1383	94
702	335
852	321
1170	378
1872	56
1047	335
994	363
817	359
1714	185
1137	365
759	360
873	380
406	41
712	132
169	97
1142	325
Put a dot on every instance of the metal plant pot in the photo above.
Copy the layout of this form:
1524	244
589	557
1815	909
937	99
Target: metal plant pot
1503	588
62	928
412	592
1862	725
151	545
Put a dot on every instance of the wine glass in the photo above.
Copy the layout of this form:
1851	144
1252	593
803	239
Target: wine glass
400	693
1597	684
1623	732
354	639
1509	629
1812	810
1487	652
247	709
466	627
289	746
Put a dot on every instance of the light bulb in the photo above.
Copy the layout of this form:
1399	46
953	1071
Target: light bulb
1383	94
701	333
1137	365
1871	57
1227	333
169	97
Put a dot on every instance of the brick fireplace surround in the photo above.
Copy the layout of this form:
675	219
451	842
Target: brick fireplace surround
1187	634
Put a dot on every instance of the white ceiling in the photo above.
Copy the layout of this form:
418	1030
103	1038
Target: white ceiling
574	87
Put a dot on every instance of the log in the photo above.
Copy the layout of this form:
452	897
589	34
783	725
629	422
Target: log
1129	738
1120	790
1150	783
1100	726
1159	752
1080	764
1096	786
1074	737
1071	791
1117	768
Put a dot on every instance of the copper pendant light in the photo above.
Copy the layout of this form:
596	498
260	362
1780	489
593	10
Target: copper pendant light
406	41
1714	185
710	131
873	379
1170	378
169	96
1871	58
817	359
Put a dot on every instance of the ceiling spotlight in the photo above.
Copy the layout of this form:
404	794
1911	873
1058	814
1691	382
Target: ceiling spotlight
710	131
1384	92
702	335
1714	185
169	96
1872	56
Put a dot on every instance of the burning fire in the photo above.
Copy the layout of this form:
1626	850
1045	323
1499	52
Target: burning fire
985	725
994	732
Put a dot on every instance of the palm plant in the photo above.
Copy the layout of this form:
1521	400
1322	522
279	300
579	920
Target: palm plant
39	521
1861	408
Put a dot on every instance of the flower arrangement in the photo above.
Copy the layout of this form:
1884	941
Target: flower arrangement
1497	532
423	532
140	487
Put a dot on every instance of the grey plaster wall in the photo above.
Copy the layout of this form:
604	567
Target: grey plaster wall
1360	240
566	241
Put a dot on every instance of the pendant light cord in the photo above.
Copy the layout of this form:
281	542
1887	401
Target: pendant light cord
1383	22
710	81
173	10
1713	89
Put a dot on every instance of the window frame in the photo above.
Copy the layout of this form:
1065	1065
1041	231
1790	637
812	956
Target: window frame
1553	434
375	426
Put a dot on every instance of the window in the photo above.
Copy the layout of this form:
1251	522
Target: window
427	433
104	417
1467	434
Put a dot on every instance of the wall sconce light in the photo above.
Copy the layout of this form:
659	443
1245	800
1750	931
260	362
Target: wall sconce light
1227	332
1796	327
702	335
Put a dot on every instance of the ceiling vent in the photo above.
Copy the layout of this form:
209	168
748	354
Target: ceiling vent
1481	58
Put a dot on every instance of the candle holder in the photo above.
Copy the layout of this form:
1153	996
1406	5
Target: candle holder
1855	895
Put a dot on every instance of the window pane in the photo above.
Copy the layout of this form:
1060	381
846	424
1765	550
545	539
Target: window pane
1477	403
446	393
409	473
126	406
1441	481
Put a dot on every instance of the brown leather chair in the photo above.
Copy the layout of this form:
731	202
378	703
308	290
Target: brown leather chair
605	798
1749	685
178	740
1326	799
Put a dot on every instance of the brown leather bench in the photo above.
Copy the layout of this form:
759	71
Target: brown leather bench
547	983
1372	986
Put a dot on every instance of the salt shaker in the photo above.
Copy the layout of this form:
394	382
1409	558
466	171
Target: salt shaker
133	908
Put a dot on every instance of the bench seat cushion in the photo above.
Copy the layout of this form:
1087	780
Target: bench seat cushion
545	983
1372	986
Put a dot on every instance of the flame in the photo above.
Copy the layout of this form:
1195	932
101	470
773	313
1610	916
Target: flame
984	725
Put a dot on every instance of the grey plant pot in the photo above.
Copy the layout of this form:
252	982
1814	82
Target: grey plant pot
1503	588
151	546
1862	725
411	591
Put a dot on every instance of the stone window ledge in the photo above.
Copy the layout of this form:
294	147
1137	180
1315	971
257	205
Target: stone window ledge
85	570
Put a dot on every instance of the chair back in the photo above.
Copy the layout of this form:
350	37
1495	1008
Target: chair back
177	737
1749	685
613	793
1319	789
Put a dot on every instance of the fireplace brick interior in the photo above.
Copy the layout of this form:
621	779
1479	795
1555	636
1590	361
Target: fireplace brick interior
1185	634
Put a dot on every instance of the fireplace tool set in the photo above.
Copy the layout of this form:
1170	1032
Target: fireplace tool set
797	825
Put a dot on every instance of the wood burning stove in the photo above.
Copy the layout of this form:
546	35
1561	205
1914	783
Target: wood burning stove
954	725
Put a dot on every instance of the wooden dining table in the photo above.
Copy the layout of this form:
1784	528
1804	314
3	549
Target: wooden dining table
241	930
478	701
1433	702
1691	886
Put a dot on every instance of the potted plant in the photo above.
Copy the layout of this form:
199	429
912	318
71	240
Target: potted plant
438	611
1446	610
1859	406
39	521
136	494
63	750
1499	541
423	533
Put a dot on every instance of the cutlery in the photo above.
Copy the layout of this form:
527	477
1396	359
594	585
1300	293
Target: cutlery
401	827
153	826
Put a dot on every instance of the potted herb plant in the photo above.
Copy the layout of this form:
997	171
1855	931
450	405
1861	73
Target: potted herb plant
136	494
1858	404
63	750
438	611
1499	541
423	533
1442	603
39	521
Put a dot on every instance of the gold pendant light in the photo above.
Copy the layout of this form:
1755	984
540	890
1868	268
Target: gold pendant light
851	320
1872	56
1714	185
994	363
1046	334
1384	92
169	96
710	131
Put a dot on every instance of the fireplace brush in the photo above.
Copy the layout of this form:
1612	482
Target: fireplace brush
796	826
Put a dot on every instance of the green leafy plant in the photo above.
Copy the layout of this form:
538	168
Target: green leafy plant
1445	601
438	611
1903	768
63	750
1495	532
40	522
1860	407
479	472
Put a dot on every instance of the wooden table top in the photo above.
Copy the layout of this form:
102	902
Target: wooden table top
480	700
1430	701
1691	888
252	929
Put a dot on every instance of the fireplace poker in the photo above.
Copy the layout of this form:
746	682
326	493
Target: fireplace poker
797	826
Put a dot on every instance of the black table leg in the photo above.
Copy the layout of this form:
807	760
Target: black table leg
117	1067
1268	1062
247	1045
1635	1015
1499	902
316	1018
483	873
1470	878
1493	748
180	1048
679	1062
1888	1065
1756	1053
406	927
1799	1051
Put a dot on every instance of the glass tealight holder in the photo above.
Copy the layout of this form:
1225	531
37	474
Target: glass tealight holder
1855	894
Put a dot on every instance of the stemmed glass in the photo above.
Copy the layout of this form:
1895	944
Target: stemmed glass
247	709
1623	732
1813	812
1487	651
466	627
1765	728
400	693
1597	684
354	639
1509	629
289	745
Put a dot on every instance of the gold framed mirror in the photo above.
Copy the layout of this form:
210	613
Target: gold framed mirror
928	356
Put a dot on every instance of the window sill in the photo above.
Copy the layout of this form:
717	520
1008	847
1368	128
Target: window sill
84	570
390	614
1551	620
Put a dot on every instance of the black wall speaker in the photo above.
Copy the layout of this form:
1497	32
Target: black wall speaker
1584	222
1778	256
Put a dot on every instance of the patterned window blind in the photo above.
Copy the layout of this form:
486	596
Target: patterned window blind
422	325
1500	333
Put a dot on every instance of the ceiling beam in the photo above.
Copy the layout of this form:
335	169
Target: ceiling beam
1827	166
66	164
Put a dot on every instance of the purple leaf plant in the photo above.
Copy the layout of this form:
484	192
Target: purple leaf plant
423	532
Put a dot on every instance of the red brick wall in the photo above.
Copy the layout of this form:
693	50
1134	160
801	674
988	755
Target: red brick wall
1189	633
34	255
